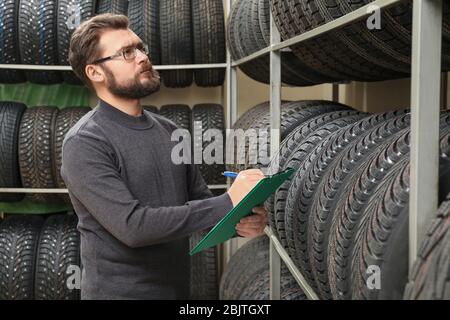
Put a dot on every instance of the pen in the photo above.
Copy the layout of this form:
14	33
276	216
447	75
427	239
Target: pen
230	174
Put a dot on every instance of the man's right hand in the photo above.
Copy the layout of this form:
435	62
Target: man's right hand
244	182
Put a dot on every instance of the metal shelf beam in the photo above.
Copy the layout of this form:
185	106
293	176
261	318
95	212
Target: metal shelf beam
425	107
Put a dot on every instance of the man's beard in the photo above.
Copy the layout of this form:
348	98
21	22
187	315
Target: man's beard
133	89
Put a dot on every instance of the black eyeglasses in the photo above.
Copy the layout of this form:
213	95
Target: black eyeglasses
128	53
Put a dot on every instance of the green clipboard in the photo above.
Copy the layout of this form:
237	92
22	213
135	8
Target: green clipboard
225	228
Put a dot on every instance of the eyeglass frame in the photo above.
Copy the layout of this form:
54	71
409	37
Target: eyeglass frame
144	50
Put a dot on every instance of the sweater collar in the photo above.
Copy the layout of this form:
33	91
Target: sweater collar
141	122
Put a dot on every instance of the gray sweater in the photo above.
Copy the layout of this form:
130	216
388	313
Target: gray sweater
136	208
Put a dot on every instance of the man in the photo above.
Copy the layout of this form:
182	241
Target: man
136	208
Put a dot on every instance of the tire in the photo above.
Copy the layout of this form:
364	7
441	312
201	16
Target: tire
325	54
144	21
292	115
237	274
66	24
246	276
176	41
211	118
58	248
36	136
209	40
285	209
10	117
244	122
430	278
204	271
37	38
287	147
18	243
180	114
65	119
368	183
382	239
112	6
9	42
326	177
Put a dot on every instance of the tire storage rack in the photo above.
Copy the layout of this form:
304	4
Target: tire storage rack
424	119
424	152
48	246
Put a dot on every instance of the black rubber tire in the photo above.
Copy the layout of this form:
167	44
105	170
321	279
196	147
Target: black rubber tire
10	117
211	117
341	157
292	114
208	40
65	12
36	136
299	157
284	213
152	109
288	146
37	38
18	245
180	114
243	122
246	276
112	6
58	248
65	119
9	42
236	276
382	237
325	54
144	21
385	47
204	272
176	41
430	278
367	184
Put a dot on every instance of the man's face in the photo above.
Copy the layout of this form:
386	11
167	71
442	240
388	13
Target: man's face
132	79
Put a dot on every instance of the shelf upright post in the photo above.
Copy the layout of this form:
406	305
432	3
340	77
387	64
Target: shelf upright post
275	120
231	92
425	99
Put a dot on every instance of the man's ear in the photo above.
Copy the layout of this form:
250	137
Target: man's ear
94	73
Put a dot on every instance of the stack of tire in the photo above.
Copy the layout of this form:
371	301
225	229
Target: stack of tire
176	31
38	257
31	145
246	276
249	31
354	52
346	209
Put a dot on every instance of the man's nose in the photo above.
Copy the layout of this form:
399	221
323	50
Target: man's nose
141	56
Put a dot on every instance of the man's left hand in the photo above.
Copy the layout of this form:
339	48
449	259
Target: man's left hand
253	226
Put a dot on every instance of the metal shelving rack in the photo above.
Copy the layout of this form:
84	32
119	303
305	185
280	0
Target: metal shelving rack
425	107
425	89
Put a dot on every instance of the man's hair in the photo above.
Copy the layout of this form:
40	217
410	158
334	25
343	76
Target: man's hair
84	41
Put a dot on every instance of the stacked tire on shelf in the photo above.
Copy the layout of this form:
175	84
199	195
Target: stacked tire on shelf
344	213
35	255
176	31
354	52
246	276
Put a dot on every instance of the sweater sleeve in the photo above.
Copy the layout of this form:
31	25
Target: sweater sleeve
91	175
